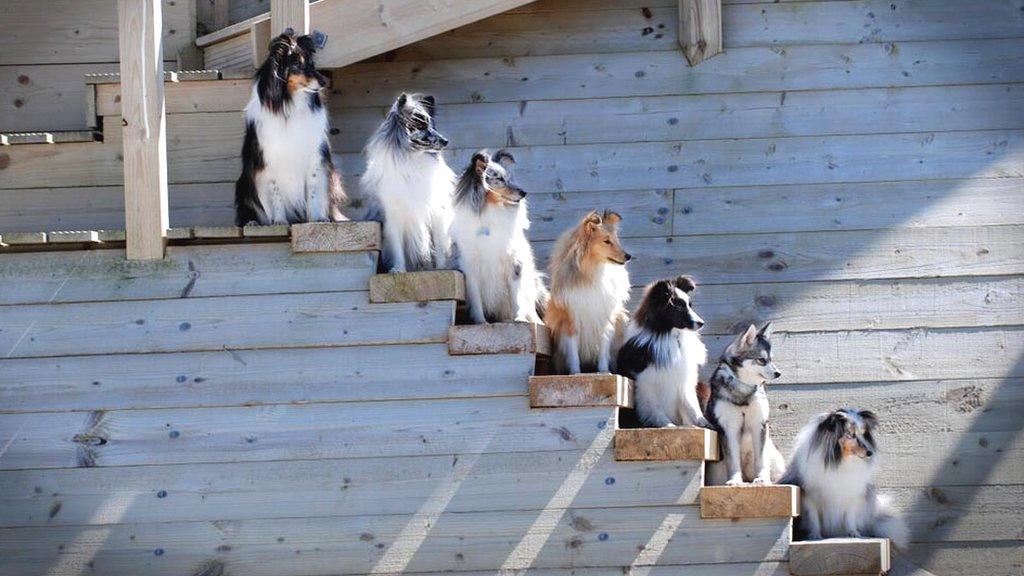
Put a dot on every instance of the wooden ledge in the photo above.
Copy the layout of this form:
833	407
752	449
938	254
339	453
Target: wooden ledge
499	338
581	390
417	286
352	236
682	443
836	556
750	501
65	137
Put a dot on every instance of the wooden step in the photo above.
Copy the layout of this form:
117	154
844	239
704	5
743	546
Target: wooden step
581	390
681	443
837	556
417	286
353	236
750	501
18	138
499	338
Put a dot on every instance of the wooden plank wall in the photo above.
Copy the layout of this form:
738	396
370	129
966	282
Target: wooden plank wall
46	46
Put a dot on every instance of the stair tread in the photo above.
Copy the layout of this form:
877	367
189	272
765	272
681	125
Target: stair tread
349	236
577	390
750	501
49	137
499	338
837	556
678	443
417	286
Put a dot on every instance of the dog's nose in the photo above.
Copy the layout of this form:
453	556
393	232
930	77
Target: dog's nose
777	373
628	256
869	453
699	324
442	140
522	194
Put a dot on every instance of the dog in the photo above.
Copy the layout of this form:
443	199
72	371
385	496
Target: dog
489	236
409	183
287	172
663	353
589	289
833	462
738	409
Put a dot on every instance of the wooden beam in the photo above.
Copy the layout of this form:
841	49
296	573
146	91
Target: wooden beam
144	128
836	556
292	14
581	390
750	501
416	286
259	36
700	29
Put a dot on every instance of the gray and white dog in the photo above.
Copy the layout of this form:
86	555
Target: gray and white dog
738	409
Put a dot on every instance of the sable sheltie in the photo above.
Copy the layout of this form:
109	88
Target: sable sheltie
738	409
489	236
833	463
589	289
287	172
663	353
408	181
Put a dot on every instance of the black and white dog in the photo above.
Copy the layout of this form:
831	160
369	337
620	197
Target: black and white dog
738	409
833	462
408	181
663	353
489	236
287	172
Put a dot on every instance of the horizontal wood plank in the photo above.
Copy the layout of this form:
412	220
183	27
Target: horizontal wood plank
186	272
47	97
996	558
333	545
499	338
358	487
233	322
838	556
750	501
581	390
321	237
185	97
420	286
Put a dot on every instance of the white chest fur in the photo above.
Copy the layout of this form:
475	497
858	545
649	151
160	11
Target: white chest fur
595	307
669	385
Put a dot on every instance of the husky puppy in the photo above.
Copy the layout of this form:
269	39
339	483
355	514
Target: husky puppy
589	289
489	235
408	180
663	353
287	172
738	408
833	463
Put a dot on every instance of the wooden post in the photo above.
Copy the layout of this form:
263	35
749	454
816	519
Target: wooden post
144	127
259	36
700	29
292	14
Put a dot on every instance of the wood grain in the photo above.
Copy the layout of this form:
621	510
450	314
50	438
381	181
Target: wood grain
700	29
499	338
836	556
581	390
320	237
750	501
418	286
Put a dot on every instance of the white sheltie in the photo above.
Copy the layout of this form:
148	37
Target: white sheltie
489	236
589	290
408	180
287	172
663	353
833	463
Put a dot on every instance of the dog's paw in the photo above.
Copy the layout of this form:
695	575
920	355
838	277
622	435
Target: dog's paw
736	480
762	480
854	534
814	535
703	422
670	425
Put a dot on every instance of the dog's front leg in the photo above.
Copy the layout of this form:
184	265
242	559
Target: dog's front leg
759	443
732	449
394	244
316	194
690	407
524	307
570	350
440	240
811	519
851	523
475	300
605	353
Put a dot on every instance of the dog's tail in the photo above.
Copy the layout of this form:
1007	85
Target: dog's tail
888	523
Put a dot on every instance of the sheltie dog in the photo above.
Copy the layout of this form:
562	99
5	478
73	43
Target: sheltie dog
489	236
287	172
589	289
738	409
408	181
663	353
833	463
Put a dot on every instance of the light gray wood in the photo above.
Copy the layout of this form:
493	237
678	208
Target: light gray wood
750	501
838	556
234	53
352	236
231	322
700	29
144	149
293	432
423	286
357	487
608	75
997	558
17	138
292	14
268	231
216	232
577	390
25	238
187	272
185	97
74	237
257	377
331	545
45	97
960	513
499	338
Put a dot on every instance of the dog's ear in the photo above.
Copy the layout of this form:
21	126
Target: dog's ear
429	104
686	284
400	103
480	161
742	341
766	330
831	429
288	32
612	218
280	46
505	158
591	221
869	418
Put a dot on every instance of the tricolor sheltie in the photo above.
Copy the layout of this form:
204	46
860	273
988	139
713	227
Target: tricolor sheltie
589	289
663	353
287	172
489	235
408	180
833	463
738	408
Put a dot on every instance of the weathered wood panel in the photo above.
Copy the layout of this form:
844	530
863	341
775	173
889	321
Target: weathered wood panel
998	558
357	487
839	556
657	73
750	501
46	97
185	97
233	322
293	432
332	545
256	377
961	513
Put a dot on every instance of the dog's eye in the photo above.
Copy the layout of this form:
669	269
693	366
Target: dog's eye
851	435
607	241
762	361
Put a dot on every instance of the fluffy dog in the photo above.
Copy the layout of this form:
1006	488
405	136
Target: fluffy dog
663	353
408	181
489	236
834	463
589	289
287	172
738	409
